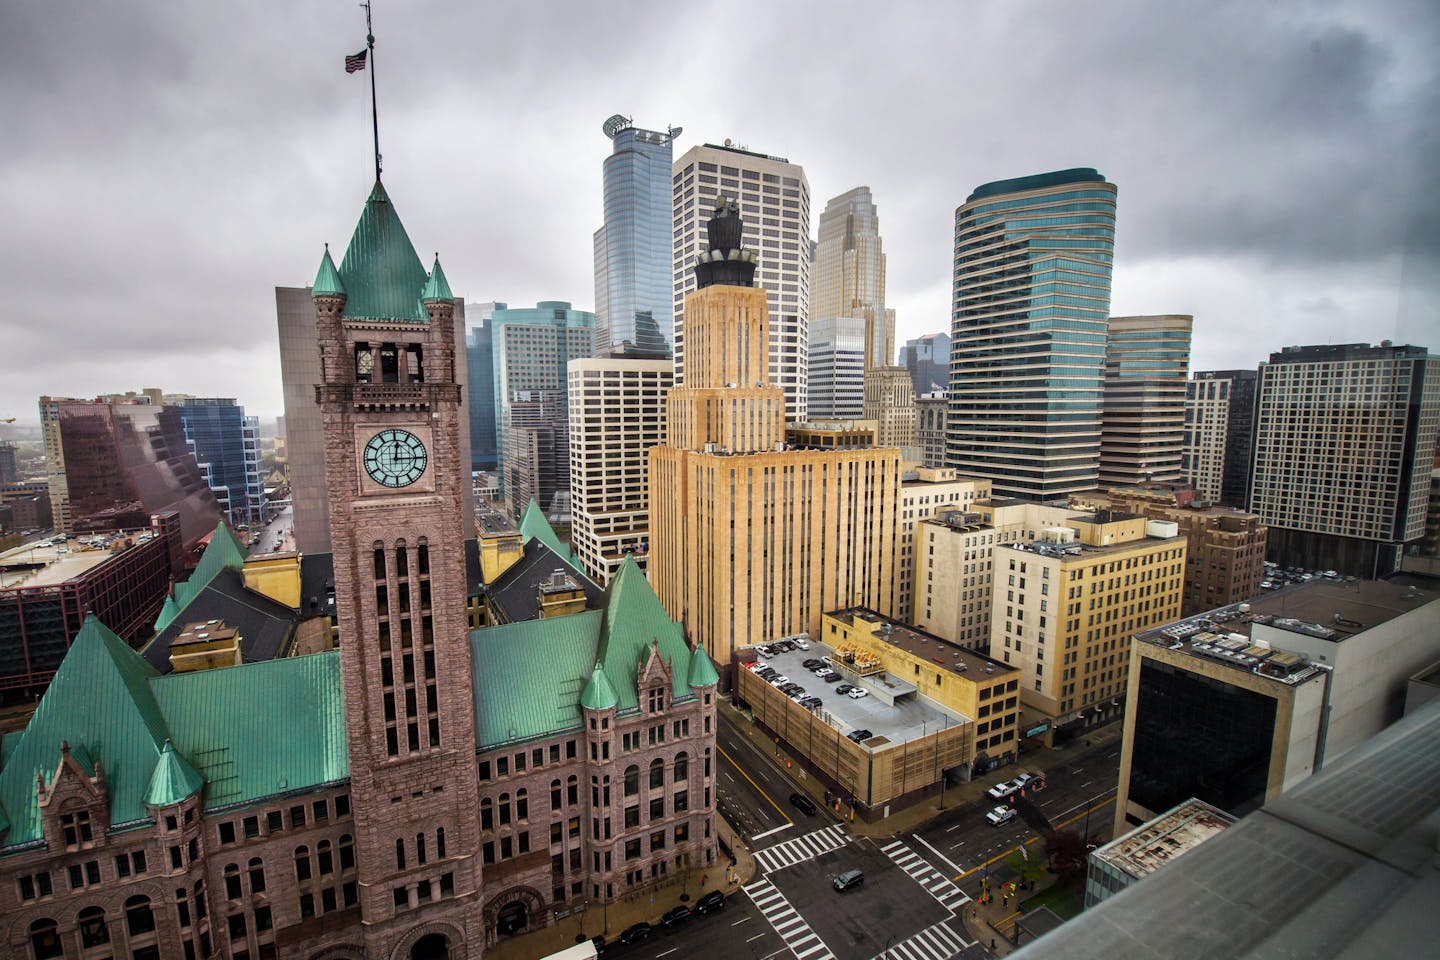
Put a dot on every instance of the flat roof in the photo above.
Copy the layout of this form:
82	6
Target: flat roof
494	522
911	719
939	651
1325	609
1150	846
1076	551
35	566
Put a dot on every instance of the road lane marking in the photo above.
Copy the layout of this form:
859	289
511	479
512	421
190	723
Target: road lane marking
740	921
762	836
1034	840
666	953
954	828
757	937
753	783
937	853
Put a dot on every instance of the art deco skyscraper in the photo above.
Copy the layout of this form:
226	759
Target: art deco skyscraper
633	249
774	196
1031	300
1143	426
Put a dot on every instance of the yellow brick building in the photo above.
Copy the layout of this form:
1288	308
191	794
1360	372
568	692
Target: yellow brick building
1064	609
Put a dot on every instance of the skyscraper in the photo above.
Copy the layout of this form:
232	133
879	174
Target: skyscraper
774	196
633	249
480	358
227	447
1219	434
532	347
1142	431
1031	299
751	541
1344	446
849	272
837	368
928	360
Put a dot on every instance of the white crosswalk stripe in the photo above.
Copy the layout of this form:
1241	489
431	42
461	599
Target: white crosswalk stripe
935	883
940	942
802	848
802	941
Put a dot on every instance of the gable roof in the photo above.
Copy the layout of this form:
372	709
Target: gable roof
223	552
633	620
266	626
515	593
528	676
534	526
381	274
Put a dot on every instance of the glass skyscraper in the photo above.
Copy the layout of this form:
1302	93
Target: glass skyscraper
227	447
1031	302
633	252
480	358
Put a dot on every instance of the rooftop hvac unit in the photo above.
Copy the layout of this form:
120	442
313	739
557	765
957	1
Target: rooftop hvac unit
1059	535
1163	529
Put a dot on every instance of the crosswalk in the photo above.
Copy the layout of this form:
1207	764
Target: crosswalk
940	942
937	884
798	937
803	848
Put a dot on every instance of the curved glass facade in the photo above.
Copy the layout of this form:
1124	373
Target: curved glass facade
1029	315
633	253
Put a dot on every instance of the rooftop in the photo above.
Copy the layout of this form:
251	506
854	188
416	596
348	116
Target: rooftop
1150	846
36	566
938	650
1036	181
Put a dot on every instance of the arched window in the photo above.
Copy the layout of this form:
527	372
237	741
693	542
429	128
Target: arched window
379	562
487	814
682	767
402	560
302	864
522	804
232	881
657	773
572	790
257	875
440	842
325	858
420	849
93	931
138	916
364	363
554	794
632	781
347	852
399	854
504	809
45	940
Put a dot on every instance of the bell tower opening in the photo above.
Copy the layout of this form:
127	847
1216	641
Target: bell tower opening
433	946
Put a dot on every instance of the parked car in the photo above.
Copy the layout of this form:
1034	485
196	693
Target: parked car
712	902
784	646
857	693
1001	815
845	688
764	651
801	643
810	703
803	803
779	680
1028	781
821	670
1001	790
676	916
848	879
636	933
859	736
813	664
792	690
829	676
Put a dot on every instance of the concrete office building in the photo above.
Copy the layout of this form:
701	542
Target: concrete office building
1344	447
774	199
634	253
9	473
1126	860
1027	343
480	362
751	541
1219	433
925	493
1239	704
1225	562
532	347
617	413
1142	433
837	369
305	450
1071	603
928	360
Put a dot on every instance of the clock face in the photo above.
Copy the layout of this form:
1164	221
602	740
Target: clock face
395	458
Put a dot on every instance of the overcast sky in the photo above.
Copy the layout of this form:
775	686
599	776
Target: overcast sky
165	166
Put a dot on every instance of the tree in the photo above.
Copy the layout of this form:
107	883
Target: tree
1067	853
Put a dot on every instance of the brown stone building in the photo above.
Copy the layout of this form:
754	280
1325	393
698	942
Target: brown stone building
1225	560
417	794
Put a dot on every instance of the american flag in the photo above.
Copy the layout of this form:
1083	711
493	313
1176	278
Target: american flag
356	61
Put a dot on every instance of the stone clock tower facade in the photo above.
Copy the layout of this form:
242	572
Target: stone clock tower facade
392	413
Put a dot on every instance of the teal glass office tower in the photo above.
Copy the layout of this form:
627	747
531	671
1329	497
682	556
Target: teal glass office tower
1031	302
633	249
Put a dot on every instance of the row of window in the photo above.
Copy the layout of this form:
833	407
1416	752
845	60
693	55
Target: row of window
274	821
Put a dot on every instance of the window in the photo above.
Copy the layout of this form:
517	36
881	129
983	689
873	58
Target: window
76	827
487	814
632	781
45	940
138	916
682	768
227	832
232	882
347	852
93	930
302	864
554	794
257	875
323	855
657	774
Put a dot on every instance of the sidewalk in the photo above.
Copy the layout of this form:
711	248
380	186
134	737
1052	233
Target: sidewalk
648	904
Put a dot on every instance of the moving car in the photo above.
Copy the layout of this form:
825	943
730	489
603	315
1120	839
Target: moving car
1001	815
848	879
857	693
712	902
803	803
1001	790
1028	781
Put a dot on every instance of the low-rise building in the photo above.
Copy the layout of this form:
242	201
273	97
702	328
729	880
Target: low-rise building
1125	861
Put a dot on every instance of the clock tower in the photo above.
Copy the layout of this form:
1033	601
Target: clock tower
392	414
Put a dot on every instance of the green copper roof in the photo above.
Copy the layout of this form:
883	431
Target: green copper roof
221	552
633	619
533	524
702	671
598	694
381	274
529	676
327	280
437	287
174	779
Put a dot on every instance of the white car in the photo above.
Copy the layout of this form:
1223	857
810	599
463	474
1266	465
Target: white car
779	680
765	652
858	693
1001	790
801	643
1000	815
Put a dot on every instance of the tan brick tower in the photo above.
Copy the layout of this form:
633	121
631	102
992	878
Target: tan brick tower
392	417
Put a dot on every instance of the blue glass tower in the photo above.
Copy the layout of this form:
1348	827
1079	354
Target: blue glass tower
227	448
1029	317
633	249
480	360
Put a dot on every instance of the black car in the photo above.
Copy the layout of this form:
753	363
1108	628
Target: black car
830	677
784	646
638	933
711	902
765	673
790	688
813	664
679	915
859	735
803	803
845	688
809	702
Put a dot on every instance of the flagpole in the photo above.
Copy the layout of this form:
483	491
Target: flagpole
374	112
